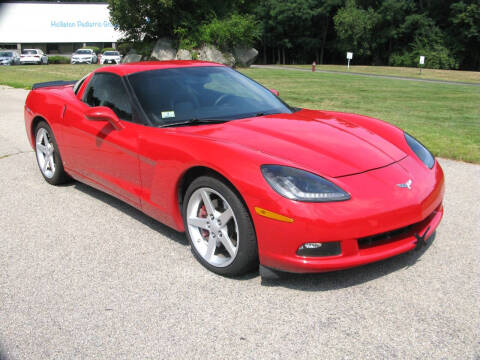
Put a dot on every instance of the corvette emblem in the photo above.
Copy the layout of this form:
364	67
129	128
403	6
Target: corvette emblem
407	185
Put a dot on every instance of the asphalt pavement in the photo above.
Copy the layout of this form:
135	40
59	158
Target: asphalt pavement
83	276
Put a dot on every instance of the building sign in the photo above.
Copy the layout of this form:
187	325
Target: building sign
56	23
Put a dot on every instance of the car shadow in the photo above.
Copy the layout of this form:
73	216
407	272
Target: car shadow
351	277
303	282
132	212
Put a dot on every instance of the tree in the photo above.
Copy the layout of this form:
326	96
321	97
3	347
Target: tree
288	31
152	19
423	37
391	16
235	30
355	29
295	29
465	33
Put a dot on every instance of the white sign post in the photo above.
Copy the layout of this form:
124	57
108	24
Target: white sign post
421	62
349	57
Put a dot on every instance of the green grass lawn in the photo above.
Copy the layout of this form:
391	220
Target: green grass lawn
25	76
446	118
427	74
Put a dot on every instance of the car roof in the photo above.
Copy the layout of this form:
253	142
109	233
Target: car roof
130	68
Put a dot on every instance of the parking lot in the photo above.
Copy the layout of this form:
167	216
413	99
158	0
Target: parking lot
83	275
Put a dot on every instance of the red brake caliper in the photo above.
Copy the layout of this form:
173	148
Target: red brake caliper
202	213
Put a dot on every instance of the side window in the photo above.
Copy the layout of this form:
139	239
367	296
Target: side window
78	84
108	90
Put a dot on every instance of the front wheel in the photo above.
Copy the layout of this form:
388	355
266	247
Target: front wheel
48	155
219	227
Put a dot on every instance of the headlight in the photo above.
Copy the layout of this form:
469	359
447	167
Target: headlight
421	151
296	184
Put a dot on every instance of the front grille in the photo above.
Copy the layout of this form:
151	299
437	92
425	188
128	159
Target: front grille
384	238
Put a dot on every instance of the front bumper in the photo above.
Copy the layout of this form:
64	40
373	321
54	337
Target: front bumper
354	253
378	224
110	61
82	61
30	61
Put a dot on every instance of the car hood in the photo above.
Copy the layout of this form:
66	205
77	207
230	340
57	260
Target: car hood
317	141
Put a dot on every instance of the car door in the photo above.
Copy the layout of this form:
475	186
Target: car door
95	149
44	58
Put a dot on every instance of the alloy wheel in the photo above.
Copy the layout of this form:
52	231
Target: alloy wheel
212	227
45	153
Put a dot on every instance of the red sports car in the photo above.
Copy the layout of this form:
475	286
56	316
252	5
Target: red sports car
250	179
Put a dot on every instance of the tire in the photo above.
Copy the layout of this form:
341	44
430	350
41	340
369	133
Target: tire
228	248
46	151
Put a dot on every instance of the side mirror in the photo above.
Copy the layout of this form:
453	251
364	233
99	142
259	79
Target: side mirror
275	92
103	113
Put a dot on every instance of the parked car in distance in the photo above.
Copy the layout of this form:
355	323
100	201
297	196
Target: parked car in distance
110	57
84	56
9	57
33	56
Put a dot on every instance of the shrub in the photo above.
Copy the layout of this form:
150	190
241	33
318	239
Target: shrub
58	60
95	49
236	30
143	48
436	57
125	47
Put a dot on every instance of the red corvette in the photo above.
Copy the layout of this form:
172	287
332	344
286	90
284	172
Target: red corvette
251	180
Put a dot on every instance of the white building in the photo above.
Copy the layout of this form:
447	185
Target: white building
56	28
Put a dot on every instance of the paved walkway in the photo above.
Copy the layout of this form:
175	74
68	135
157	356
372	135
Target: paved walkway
279	67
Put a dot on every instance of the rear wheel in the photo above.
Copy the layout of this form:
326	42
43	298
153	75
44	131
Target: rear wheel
219	227
48	155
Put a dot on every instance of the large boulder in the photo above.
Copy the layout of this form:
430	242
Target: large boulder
131	56
163	50
183	54
245	56
211	53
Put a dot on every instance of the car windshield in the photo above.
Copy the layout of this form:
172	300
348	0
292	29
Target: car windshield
176	95
83	52
29	52
6	54
110	53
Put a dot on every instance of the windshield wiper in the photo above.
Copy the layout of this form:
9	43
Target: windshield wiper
196	121
265	113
